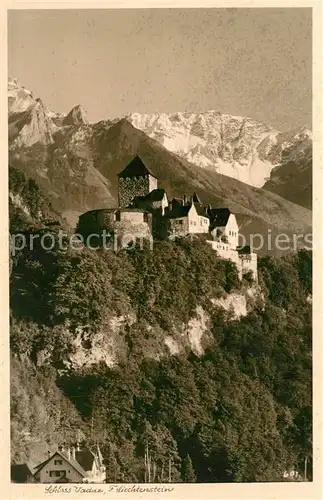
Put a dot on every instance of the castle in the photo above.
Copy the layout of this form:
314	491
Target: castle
144	210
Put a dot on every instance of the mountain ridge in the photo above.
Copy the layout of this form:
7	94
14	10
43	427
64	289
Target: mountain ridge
77	165
236	146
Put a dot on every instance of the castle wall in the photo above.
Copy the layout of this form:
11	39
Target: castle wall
131	223
224	251
197	223
95	221
132	217
249	263
179	227
129	187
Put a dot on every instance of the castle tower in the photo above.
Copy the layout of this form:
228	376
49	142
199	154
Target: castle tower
134	180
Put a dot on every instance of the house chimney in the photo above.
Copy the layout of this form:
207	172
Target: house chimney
184	199
69	453
78	446
73	452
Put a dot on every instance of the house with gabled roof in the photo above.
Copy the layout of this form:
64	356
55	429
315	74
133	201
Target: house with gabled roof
186	218
224	226
71	465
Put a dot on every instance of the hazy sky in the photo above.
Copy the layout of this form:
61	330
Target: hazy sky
254	62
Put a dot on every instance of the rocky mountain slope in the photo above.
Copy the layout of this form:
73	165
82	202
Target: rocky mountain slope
76	165
236	146
292	178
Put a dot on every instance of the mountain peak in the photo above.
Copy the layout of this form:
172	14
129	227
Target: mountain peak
77	116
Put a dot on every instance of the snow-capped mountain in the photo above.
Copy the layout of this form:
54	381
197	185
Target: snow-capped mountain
235	146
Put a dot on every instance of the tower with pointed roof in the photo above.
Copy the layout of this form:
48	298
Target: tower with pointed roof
134	180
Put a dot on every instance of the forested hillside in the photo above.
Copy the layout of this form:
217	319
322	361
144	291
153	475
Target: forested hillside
239	411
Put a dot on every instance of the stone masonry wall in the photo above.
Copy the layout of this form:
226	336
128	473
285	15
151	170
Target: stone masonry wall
129	187
179	227
249	263
95	221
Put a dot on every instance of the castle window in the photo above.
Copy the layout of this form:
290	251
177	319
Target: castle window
118	216
58	462
145	217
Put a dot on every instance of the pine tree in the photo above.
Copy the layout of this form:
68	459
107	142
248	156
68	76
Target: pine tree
188	472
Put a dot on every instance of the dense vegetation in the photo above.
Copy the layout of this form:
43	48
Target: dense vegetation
239	412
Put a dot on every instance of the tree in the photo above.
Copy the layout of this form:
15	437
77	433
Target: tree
187	471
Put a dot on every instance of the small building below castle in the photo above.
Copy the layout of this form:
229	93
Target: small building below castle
76	464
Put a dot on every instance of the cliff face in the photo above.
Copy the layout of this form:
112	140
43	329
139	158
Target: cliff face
29	122
110	345
77	116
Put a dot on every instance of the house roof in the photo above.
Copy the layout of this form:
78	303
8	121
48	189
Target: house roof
178	211
177	201
219	216
201	209
70	461
154	195
134	168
